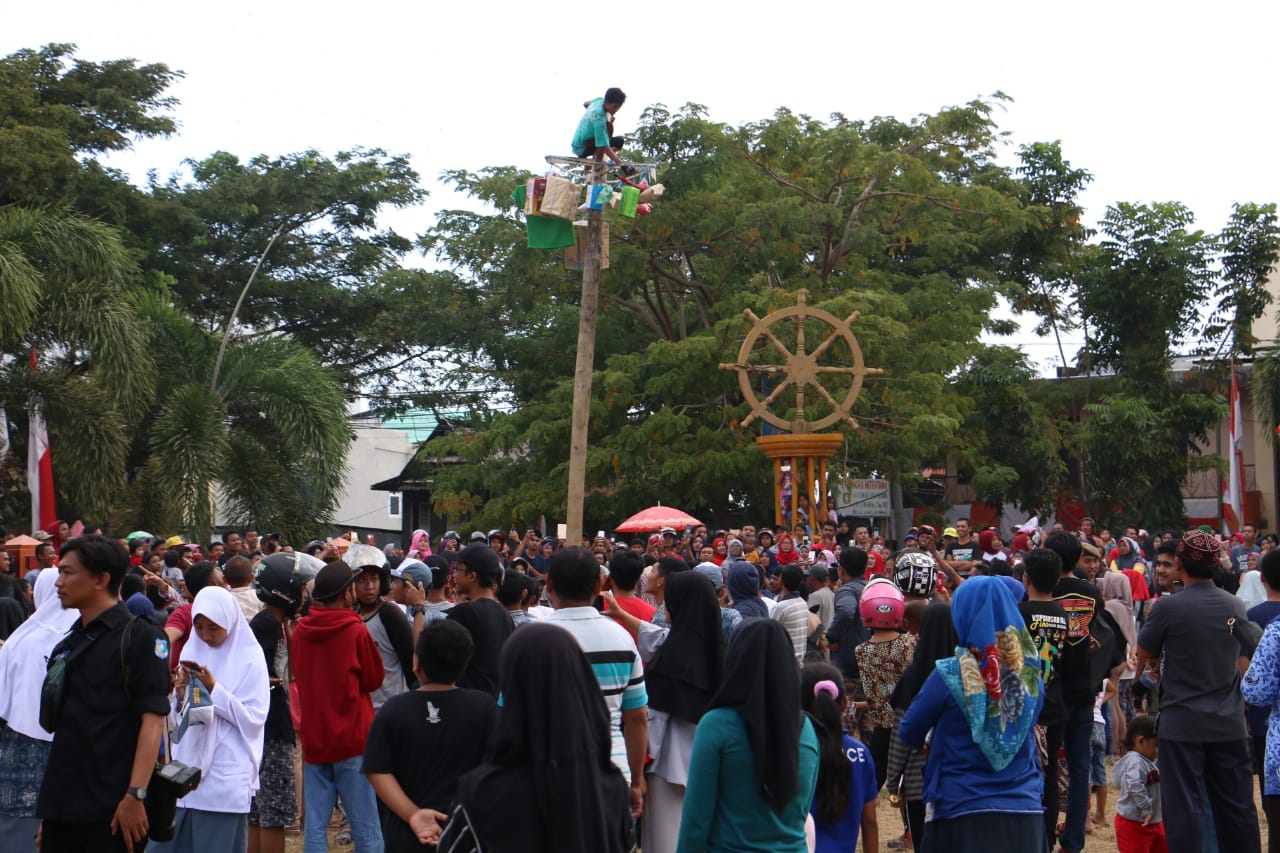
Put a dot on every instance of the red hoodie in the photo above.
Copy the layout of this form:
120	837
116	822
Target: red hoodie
336	666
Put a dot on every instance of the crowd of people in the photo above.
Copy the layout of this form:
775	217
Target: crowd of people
689	690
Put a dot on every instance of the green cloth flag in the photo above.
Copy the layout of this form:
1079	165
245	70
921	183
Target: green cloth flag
544	232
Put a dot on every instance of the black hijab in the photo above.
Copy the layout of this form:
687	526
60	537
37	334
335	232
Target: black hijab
551	753
688	666
762	683
937	640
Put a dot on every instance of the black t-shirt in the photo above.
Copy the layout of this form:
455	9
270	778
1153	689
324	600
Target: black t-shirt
270	635
426	740
1047	623
490	625
970	550
1082	601
96	736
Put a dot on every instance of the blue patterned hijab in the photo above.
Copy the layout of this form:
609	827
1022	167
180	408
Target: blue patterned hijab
994	676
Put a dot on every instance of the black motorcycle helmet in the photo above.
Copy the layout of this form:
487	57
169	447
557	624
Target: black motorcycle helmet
280	583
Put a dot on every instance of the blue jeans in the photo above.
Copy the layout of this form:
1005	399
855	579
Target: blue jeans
1076	738
1098	755
324	785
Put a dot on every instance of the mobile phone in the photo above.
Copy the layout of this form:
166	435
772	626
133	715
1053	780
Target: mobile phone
599	534
190	664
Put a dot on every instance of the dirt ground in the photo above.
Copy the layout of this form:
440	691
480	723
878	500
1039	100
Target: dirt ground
1101	840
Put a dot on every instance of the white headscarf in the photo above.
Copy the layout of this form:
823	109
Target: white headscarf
25	657
1251	591
241	693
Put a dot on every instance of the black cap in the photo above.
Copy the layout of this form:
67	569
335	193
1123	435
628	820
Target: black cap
479	558
332	580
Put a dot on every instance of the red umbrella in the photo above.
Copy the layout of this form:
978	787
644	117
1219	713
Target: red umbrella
656	518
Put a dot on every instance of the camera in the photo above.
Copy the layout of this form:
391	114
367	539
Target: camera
169	783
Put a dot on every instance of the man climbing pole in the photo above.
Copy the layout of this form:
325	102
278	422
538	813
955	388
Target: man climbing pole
594	137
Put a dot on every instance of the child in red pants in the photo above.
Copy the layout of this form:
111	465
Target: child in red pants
1139	827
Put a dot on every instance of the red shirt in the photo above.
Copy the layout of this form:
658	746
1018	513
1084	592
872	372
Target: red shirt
180	618
637	607
336	666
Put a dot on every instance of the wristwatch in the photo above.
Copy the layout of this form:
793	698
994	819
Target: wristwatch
417	610
137	793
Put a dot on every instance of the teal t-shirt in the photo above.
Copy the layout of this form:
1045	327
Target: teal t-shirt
593	127
723	808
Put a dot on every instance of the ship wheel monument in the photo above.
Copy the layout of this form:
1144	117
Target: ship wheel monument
778	368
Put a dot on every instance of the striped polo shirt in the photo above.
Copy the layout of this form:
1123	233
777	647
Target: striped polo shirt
611	651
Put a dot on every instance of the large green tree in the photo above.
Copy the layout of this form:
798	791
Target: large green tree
332	278
60	112
1010	444
67	281
900	220
141	431
1142	288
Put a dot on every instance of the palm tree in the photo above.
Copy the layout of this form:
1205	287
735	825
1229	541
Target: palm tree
269	440
67	293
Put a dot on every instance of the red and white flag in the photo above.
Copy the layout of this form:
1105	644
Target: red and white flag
1233	486
39	468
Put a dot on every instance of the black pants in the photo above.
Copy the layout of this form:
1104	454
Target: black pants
615	142
1226	768
991	832
915	822
880	754
75	837
1053	737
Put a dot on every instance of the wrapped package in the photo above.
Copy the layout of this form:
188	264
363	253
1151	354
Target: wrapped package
561	199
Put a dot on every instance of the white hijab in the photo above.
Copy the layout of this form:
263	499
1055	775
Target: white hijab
239	672
25	657
1251	591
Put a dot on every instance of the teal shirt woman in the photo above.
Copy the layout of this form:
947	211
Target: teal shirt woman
755	755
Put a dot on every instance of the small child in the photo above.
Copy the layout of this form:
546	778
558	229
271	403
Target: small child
881	662
1098	756
1139	824
447	725
844	804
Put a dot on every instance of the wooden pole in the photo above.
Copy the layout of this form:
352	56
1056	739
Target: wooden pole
808	491
583	367
777	493
822	488
795	492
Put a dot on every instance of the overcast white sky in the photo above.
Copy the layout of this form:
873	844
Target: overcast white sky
1160	101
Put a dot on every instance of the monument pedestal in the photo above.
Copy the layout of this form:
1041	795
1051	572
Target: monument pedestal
807	456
